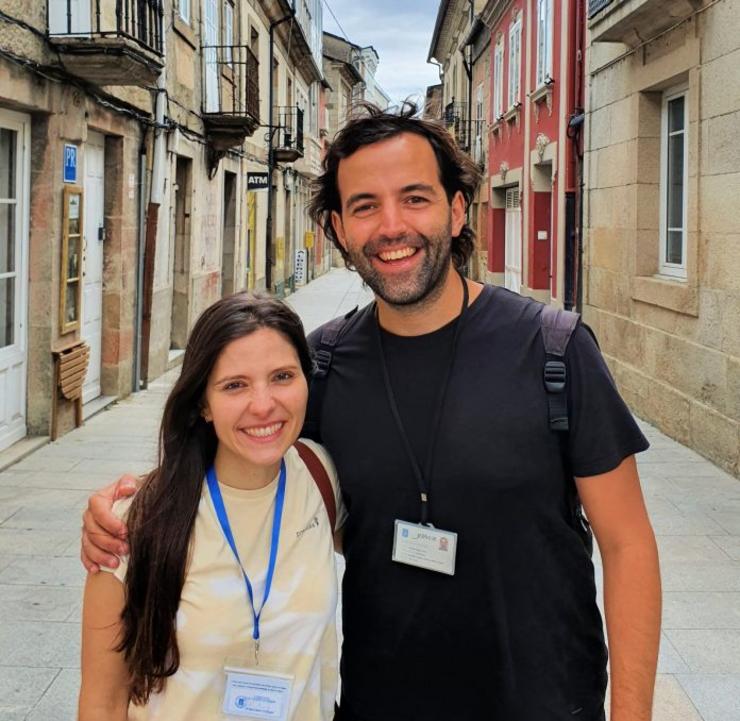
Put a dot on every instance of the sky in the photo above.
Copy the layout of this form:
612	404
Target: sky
400	31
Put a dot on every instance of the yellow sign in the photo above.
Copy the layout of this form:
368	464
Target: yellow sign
308	239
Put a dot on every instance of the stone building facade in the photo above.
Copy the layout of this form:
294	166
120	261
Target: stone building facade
135	152
663	218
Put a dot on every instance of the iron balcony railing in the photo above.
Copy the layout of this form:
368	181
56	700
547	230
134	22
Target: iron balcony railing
595	6
231	81
137	20
455	118
289	132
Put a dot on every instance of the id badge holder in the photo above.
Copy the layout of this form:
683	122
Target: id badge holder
256	693
424	546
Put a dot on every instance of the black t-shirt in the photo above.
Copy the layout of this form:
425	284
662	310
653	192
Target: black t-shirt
515	634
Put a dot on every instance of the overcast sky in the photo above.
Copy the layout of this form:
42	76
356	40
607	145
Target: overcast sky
401	32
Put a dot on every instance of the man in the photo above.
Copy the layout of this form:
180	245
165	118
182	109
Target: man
435	413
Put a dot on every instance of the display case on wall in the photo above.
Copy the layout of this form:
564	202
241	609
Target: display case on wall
70	299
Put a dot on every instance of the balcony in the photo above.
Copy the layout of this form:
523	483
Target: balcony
288	145
108	42
231	101
455	118
633	21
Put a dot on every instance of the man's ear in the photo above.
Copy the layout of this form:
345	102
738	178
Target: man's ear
336	223
457	211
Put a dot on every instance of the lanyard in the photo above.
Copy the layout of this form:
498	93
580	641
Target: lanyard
422	479
223	519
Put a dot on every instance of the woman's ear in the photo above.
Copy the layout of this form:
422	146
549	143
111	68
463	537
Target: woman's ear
205	413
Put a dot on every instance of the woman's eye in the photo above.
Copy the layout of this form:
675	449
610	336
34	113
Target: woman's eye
284	376
233	385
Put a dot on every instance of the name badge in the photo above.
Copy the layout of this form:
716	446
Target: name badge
425	547
255	694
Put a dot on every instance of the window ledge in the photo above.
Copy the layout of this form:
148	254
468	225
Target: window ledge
512	113
671	293
184	31
497	124
544	92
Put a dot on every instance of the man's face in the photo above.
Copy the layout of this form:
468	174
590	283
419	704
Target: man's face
395	221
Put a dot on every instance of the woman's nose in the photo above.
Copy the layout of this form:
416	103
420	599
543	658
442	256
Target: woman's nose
261	402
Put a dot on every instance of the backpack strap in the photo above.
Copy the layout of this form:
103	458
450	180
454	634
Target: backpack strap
557	327
331	333
321	479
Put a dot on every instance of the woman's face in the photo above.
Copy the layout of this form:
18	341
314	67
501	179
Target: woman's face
256	398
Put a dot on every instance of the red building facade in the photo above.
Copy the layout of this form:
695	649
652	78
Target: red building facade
534	147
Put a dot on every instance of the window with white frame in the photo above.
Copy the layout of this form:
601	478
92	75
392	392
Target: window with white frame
544	41
478	143
515	55
673	183
183	10
228	39
498	80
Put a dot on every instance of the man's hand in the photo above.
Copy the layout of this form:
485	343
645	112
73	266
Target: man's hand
103	533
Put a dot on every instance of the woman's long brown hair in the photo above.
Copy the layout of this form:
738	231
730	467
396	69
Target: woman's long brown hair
163	512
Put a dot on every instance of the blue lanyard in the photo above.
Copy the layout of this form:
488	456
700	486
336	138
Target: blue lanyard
223	519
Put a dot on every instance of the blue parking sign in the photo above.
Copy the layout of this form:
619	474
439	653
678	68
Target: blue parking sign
70	163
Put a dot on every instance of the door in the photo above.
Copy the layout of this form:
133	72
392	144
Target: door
180	249
228	259
210	55
14	179
513	243
92	259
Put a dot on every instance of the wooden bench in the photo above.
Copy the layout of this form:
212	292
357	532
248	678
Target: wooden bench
70	368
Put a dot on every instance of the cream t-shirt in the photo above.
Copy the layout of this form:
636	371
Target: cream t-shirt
214	620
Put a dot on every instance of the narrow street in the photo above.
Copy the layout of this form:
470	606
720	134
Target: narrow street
695	509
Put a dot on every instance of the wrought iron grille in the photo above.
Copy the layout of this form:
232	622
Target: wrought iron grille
231	81
290	128
594	6
455	118
137	20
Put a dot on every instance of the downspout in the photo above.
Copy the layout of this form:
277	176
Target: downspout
156	193
140	263
579	113
270	155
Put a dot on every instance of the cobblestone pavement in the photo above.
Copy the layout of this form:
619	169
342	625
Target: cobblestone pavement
695	509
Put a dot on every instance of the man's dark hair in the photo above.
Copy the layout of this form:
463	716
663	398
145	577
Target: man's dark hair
369	124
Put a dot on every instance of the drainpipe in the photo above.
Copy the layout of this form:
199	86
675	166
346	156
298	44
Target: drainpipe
140	263
577	122
156	193
270	156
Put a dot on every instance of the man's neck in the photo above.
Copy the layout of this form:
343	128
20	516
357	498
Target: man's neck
429	314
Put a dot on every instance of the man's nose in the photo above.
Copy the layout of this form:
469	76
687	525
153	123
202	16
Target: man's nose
392	221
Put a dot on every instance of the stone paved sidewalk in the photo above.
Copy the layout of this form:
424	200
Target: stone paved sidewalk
694	506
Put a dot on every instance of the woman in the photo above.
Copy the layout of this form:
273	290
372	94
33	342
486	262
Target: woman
225	607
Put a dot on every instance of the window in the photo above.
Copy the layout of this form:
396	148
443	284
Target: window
498	80
673	177
183	10
228	31
515	54
478	143
544	42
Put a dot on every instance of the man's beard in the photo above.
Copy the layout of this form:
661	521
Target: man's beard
423	283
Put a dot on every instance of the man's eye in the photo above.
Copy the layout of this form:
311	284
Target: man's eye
363	208
416	199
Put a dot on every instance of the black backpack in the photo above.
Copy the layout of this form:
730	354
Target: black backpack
557	328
